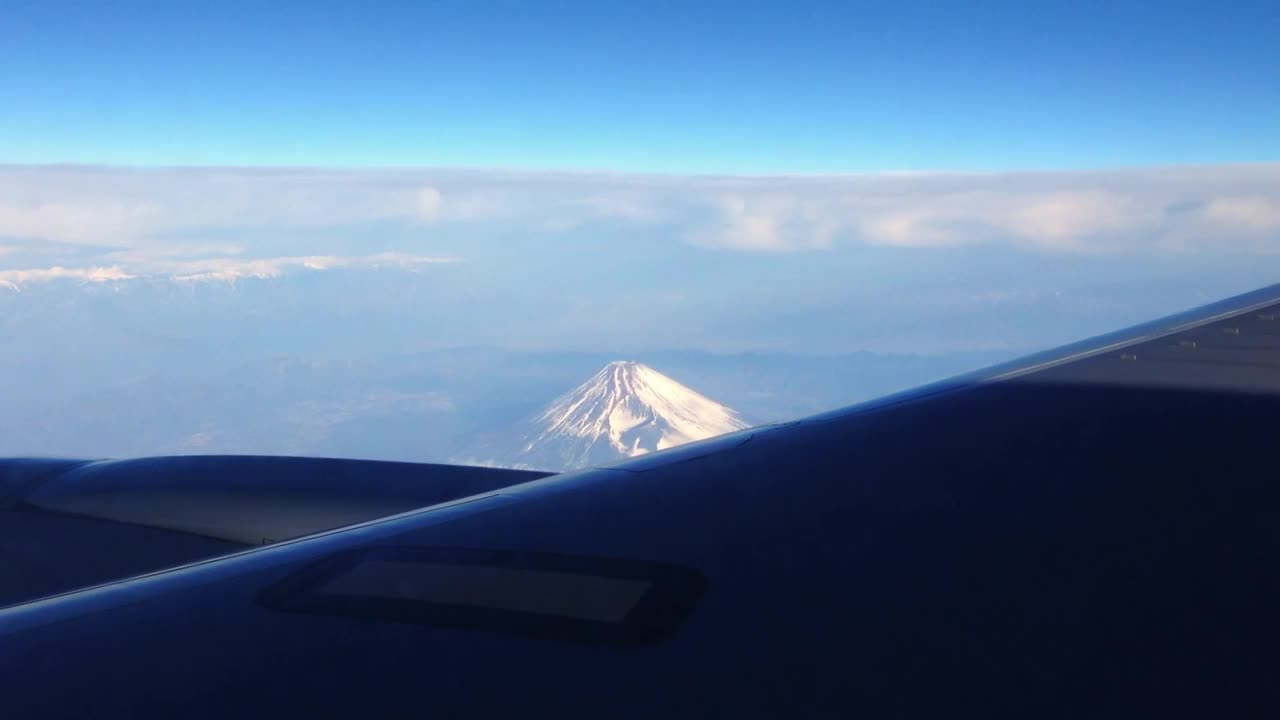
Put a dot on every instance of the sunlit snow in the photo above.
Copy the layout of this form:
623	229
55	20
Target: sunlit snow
630	409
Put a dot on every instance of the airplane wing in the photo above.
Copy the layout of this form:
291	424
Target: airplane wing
69	524
1091	532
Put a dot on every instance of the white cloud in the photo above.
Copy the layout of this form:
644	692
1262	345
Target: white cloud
1254	212
1062	219
148	215
1079	220
15	279
1153	210
231	269
429	203
214	269
768	221
78	221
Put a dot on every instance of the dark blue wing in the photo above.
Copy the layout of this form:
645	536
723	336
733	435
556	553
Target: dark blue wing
1092	533
68	524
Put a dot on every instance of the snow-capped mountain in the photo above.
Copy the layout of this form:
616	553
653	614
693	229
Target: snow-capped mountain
625	410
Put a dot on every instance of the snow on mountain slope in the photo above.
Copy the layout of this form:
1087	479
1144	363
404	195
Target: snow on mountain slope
626	409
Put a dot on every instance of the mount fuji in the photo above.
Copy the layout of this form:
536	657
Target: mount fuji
625	410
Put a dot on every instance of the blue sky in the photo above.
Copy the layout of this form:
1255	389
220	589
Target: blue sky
683	87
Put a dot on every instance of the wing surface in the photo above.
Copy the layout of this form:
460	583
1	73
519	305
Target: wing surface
68	524
1092	532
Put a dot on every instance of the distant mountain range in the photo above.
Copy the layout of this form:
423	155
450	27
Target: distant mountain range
149	389
625	410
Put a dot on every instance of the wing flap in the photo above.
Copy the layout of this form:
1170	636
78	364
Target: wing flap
257	500
68	524
1237	351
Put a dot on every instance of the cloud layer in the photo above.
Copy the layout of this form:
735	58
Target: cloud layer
211	269
127	222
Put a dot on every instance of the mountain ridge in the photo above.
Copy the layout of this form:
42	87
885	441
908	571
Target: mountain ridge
624	410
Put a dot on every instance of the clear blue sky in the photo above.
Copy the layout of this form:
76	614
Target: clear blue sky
735	86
